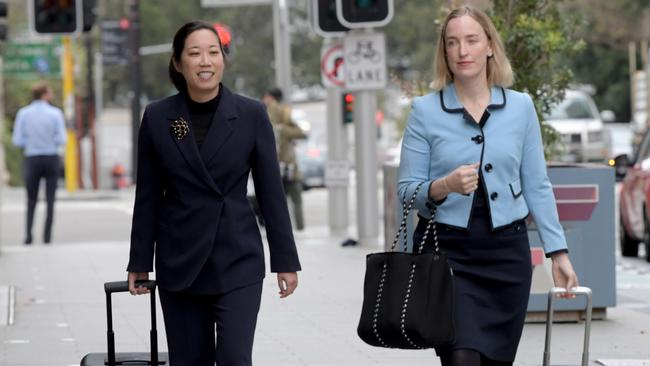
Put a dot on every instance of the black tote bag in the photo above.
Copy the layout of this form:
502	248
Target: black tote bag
408	297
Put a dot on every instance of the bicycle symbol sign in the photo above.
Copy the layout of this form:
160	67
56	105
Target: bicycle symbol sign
365	61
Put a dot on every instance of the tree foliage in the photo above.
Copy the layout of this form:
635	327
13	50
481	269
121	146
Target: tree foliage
610	26
538	38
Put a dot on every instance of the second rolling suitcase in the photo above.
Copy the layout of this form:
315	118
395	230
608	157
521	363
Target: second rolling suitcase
580	290
111	358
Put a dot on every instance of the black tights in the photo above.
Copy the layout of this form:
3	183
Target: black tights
468	357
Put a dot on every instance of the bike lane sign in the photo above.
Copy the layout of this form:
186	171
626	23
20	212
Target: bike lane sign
365	61
332	66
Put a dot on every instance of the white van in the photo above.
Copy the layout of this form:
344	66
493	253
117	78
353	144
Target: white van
581	127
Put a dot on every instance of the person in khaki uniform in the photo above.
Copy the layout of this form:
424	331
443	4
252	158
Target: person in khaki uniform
286	133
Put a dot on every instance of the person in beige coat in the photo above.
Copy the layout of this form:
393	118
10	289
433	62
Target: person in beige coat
286	133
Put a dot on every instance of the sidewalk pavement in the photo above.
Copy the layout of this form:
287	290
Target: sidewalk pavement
60	312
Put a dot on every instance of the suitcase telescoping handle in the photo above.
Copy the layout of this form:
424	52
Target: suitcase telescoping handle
580	290
123	286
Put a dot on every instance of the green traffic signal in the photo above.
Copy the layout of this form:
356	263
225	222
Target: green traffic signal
365	3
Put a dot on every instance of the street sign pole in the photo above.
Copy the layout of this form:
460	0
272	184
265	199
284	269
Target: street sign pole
337	164
282	47
337	161
337	169
136	82
3	174
365	72
366	168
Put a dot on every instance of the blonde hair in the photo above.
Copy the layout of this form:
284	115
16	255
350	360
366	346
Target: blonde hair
499	71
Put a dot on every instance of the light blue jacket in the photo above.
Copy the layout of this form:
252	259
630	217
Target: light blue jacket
39	129
440	136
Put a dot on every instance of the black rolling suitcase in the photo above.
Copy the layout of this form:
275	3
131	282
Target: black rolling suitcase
135	358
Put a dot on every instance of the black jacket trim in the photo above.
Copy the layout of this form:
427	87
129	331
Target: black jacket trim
515	195
550	254
460	110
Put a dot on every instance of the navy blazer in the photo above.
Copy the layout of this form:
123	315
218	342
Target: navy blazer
440	136
191	205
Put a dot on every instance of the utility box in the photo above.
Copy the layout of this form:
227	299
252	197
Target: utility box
585	195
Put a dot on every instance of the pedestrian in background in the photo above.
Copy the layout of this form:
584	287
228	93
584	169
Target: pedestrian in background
40	130
195	152
477	147
287	132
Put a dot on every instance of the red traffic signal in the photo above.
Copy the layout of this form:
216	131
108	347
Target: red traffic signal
125	24
348	108
224	36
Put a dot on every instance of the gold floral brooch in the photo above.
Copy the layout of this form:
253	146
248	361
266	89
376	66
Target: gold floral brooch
179	128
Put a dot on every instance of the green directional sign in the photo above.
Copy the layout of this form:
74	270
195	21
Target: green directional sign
32	60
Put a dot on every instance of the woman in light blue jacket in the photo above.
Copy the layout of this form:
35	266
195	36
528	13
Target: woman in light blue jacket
478	149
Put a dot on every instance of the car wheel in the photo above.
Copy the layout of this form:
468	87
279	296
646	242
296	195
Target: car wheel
629	246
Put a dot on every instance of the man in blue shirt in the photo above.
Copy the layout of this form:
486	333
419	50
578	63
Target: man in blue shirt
40	130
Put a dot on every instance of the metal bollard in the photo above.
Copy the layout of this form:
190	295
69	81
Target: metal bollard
580	290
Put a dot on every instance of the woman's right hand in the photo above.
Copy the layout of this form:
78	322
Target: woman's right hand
134	276
463	180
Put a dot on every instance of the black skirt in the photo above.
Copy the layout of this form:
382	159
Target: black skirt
492	274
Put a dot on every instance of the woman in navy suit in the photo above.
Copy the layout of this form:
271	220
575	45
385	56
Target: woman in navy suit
477	147
195	152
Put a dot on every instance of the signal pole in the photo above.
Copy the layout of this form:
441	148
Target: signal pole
71	160
282	47
136	84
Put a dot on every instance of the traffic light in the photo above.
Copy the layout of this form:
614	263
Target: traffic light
348	108
364	13
225	36
3	20
324	19
89	15
56	16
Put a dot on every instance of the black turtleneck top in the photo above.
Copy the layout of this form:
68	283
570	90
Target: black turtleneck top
201	115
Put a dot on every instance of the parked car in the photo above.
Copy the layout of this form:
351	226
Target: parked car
311	153
581	127
312	158
634	200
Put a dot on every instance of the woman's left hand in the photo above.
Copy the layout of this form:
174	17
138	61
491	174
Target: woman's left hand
287	281
563	274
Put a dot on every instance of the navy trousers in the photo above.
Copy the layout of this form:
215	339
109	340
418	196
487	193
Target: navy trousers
190	321
37	167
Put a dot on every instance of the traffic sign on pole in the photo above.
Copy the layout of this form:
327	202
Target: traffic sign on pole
365	61
332	64
114	43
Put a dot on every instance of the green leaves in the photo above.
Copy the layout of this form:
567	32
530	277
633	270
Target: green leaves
538	39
